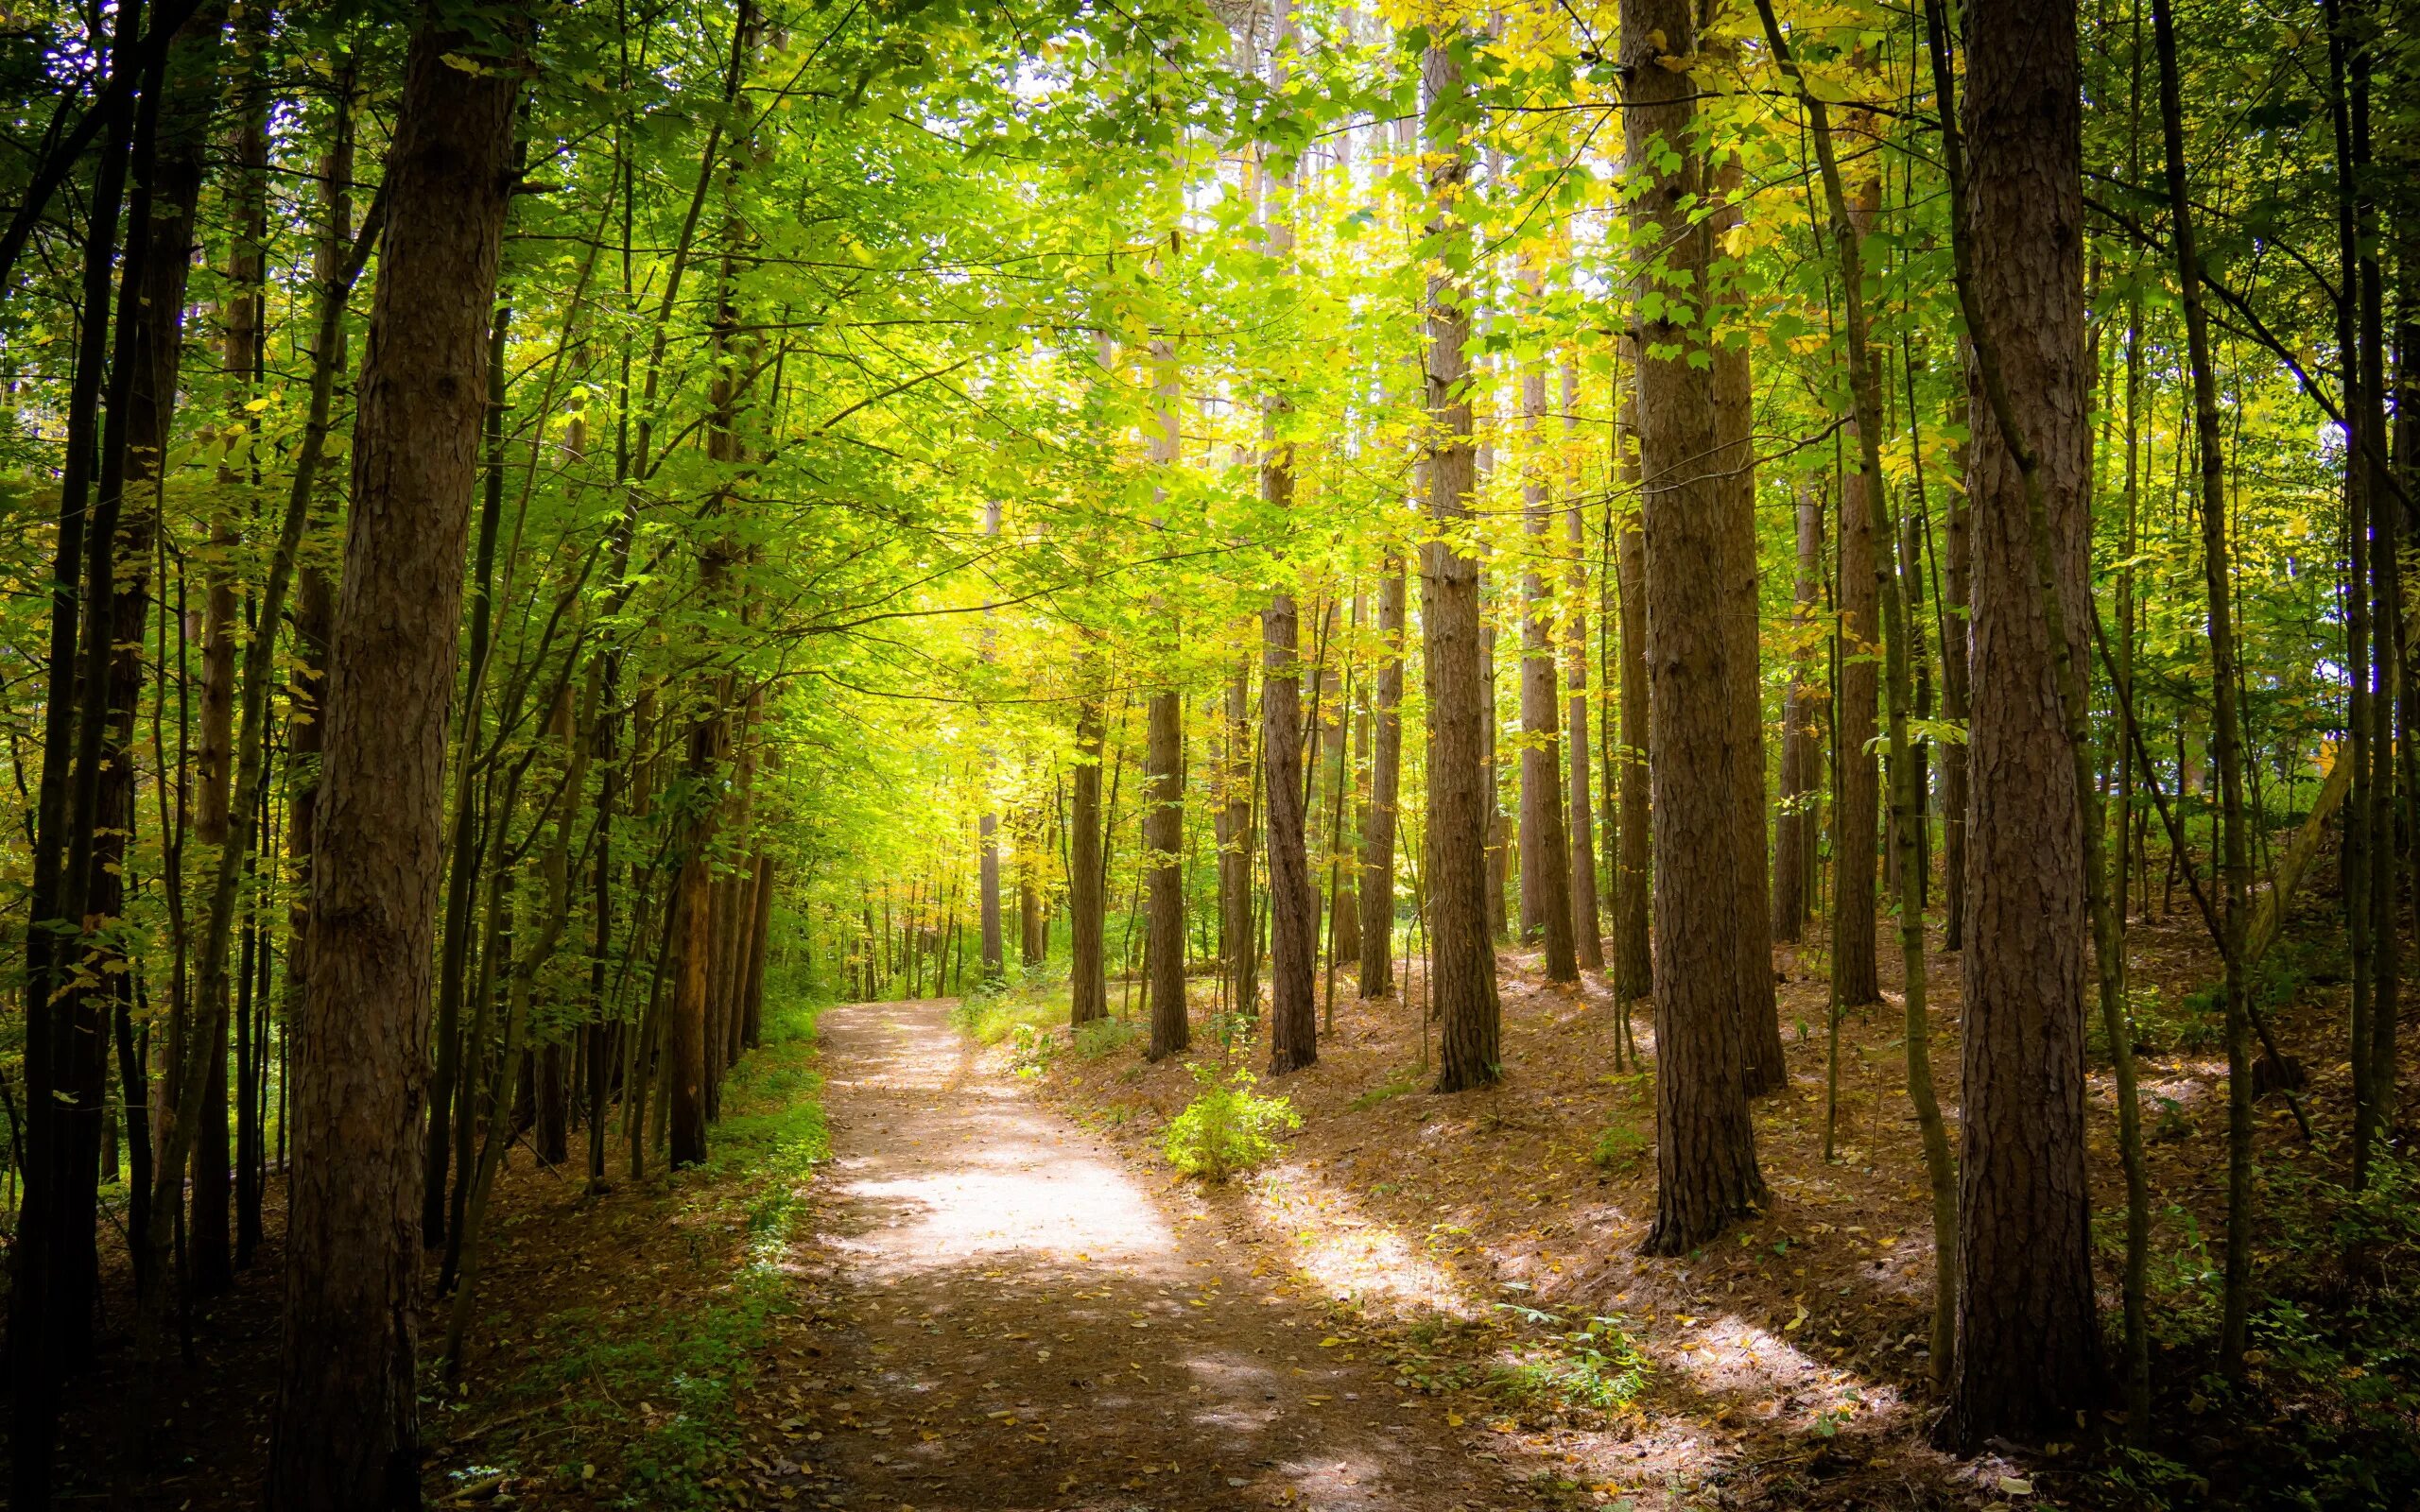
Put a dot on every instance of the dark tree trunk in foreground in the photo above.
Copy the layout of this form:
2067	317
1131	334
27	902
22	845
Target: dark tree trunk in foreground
1857	813
1706	1148
346	1425
1796	825
1462	800
2028	1333
1378	896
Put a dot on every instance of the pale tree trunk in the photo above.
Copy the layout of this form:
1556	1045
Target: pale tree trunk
1461	796
1378	897
1706	1148
346	1429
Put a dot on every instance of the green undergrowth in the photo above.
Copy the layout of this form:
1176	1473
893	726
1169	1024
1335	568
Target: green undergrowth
668	1366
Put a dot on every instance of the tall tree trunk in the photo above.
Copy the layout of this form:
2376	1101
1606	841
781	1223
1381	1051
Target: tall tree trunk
1796	823
1546	847
987	829
2029	1334
1460	793
1587	929
1699	757
1377	898
1087	887
2226	738
1633	962
209	1260
1740	619
346	1426
174	164
1857	813
1957	571
1234	818
1164	788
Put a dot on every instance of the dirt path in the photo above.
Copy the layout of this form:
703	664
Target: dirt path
1037	1326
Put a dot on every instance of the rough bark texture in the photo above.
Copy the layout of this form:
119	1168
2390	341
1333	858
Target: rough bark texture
1956	572
1293	909
1737	616
1234	817
1087	895
1705	1150
1377	898
1587	935
347	1431
1461	796
1797	823
1857	813
189	83
1633	961
2029	1344
1162	836
1546	845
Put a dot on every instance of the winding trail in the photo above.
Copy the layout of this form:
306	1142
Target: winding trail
1037	1326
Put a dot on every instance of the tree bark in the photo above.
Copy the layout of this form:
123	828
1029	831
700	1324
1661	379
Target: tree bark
1461	796
1087	891
1699	755
1797	823
1163	789
1378	896
1588	933
2029	1334
346	1429
1633	961
1546	847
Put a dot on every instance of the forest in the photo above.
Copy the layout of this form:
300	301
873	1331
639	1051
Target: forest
1119	754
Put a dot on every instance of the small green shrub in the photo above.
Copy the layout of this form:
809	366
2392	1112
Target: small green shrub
1031	1049
1227	1127
1618	1147
1598	1365
1103	1037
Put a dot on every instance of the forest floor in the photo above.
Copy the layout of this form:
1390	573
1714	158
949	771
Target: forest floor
939	1262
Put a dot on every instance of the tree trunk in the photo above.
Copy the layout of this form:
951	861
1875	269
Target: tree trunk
1164	791
1460	798
1633	961
1378	899
1087	889
1699	756
1587	934
2028	1333
346	1426
1234	818
1957	571
1545	848
1796	823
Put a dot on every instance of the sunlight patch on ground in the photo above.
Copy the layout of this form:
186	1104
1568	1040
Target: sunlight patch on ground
1349	1254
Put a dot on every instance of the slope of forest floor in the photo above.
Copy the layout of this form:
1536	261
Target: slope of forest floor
1474	1240
981	1285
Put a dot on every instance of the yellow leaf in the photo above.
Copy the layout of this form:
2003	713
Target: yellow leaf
2014	1486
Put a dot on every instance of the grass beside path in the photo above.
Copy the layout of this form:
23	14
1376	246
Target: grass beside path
641	1345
